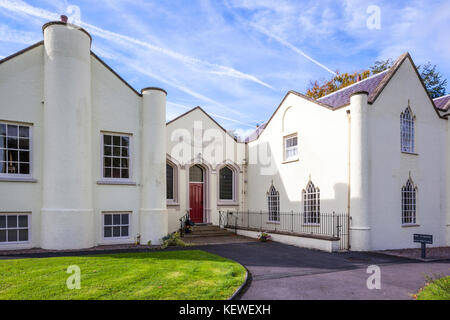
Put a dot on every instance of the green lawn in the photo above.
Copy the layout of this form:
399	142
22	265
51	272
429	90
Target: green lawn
436	290
170	275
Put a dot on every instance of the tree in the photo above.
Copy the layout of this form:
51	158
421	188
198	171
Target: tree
432	79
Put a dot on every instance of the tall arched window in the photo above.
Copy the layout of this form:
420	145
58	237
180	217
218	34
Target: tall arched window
226	183
407	130
311	204
273	202
169	182
409	202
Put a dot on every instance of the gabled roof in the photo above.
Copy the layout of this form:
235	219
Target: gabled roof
373	85
442	103
200	109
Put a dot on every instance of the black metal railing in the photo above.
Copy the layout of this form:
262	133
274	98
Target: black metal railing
183	220
334	224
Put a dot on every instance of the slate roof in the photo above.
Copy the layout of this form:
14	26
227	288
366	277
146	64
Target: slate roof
442	103
342	97
255	134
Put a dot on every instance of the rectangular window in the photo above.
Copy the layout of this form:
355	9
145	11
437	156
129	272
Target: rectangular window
14	228
116	225
169	182
290	148
116	156
15	142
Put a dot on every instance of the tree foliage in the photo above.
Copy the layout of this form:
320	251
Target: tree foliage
433	80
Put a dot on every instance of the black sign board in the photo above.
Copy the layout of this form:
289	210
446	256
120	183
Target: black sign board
423	238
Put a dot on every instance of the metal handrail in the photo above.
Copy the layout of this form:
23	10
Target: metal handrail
183	220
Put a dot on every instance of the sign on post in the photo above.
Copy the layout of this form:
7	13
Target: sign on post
423	239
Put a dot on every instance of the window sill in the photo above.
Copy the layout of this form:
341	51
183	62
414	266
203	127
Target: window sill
116	182
410	225
172	204
290	161
227	204
17	179
411	153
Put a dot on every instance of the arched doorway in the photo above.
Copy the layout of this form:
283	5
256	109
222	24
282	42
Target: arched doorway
196	193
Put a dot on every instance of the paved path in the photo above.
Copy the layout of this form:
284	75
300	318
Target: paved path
281	271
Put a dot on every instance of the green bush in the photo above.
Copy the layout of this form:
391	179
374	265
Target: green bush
437	289
173	240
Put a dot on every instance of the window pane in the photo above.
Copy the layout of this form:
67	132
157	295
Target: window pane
125	218
107	173
12	130
2	142
2	222
124	152
2	167
2	129
23	235
11	221
116	231
116	162
196	174
24	156
12	143
107	162
116	151
24	168
116	219
116	140
2	235
125	141
107	151
12	235
108	232
23	221
226	184
124	231
108	219
106	139
24	144
125	174
169	181
24	132
116	173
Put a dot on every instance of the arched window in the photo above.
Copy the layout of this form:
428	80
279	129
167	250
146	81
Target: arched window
273	202
409	202
407	130
226	183
196	174
170	182
311	204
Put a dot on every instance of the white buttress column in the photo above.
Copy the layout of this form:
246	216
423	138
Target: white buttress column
359	173
446	207
153	215
67	214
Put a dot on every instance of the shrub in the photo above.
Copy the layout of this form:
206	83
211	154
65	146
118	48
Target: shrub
264	237
173	240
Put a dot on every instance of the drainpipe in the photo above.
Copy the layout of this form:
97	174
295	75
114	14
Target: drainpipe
349	184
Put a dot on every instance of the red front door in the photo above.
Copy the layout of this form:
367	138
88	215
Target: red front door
196	202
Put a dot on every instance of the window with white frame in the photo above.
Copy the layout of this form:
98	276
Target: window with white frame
409	202
273	203
116	156
311	204
170	194
116	225
290	148
15	142
14	228
226	183
407	120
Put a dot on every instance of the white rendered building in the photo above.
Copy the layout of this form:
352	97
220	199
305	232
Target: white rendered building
86	160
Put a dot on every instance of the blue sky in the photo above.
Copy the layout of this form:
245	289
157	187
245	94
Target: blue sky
238	58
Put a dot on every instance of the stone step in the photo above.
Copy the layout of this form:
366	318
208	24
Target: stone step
219	233
206	228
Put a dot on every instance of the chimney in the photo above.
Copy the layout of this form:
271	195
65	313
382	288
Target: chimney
64	18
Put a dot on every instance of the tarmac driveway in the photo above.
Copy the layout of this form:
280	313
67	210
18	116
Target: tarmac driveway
280	271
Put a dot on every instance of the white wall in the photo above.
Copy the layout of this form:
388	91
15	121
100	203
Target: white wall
390	169
212	155
21	89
